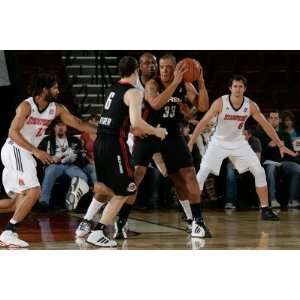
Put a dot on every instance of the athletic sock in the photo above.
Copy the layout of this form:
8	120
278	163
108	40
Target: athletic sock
186	208
11	225
196	211
99	226
124	212
93	209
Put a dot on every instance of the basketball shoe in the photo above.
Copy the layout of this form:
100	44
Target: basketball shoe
98	238
267	214
121	229
200	230
11	239
83	229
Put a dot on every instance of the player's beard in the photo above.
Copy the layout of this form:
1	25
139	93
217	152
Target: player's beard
50	98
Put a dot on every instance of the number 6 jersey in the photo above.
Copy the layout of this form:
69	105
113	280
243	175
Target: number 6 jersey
230	123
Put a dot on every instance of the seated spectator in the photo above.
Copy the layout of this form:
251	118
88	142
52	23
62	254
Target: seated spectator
288	124
231	176
273	162
88	145
66	152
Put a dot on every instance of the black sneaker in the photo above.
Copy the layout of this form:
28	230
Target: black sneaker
200	230
267	214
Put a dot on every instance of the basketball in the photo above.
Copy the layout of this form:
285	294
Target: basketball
194	69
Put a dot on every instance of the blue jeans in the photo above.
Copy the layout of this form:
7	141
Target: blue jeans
290	170
90	171
52	173
231	184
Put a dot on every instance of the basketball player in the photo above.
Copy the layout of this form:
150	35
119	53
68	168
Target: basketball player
33	116
163	97
112	159
228	140
147	71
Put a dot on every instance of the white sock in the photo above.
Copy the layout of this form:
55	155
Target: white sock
93	209
187	208
12	221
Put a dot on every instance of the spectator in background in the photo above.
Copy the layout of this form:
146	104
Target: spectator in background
88	145
288	124
66	152
273	162
231	176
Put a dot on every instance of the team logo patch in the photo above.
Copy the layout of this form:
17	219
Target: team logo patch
51	111
131	187
245	109
21	181
227	108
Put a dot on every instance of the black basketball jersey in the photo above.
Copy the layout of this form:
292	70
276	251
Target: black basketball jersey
169	116
115	116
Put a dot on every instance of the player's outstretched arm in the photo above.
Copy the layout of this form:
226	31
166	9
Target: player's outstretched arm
215	109
158	100
73	121
269	130
133	98
22	112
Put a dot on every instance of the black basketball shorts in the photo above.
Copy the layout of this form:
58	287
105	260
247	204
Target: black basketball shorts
113	164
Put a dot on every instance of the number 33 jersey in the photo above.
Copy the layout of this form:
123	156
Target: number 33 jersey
230	123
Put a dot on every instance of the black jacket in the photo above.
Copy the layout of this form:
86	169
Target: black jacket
48	144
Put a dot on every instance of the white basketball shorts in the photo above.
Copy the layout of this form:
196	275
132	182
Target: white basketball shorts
242	157
19	172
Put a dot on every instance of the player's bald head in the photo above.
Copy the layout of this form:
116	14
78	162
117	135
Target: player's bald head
147	55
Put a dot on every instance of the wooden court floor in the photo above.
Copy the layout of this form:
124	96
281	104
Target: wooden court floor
166	231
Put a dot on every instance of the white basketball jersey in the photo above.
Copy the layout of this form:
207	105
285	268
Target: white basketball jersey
231	122
37	122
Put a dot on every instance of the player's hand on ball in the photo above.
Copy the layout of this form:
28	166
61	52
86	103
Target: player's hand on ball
43	156
161	132
180	69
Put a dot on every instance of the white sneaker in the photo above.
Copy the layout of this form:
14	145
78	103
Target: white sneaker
98	238
188	225
275	204
293	204
11	239
197	243
77	189
229	205
120	230
200	230
83	229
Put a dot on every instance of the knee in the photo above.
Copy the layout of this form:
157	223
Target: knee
202	176
35	193
259	175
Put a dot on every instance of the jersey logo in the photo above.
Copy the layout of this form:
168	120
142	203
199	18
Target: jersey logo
245	109
51	111
131	187
227	108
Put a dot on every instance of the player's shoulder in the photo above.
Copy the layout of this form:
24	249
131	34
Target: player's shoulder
24	106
